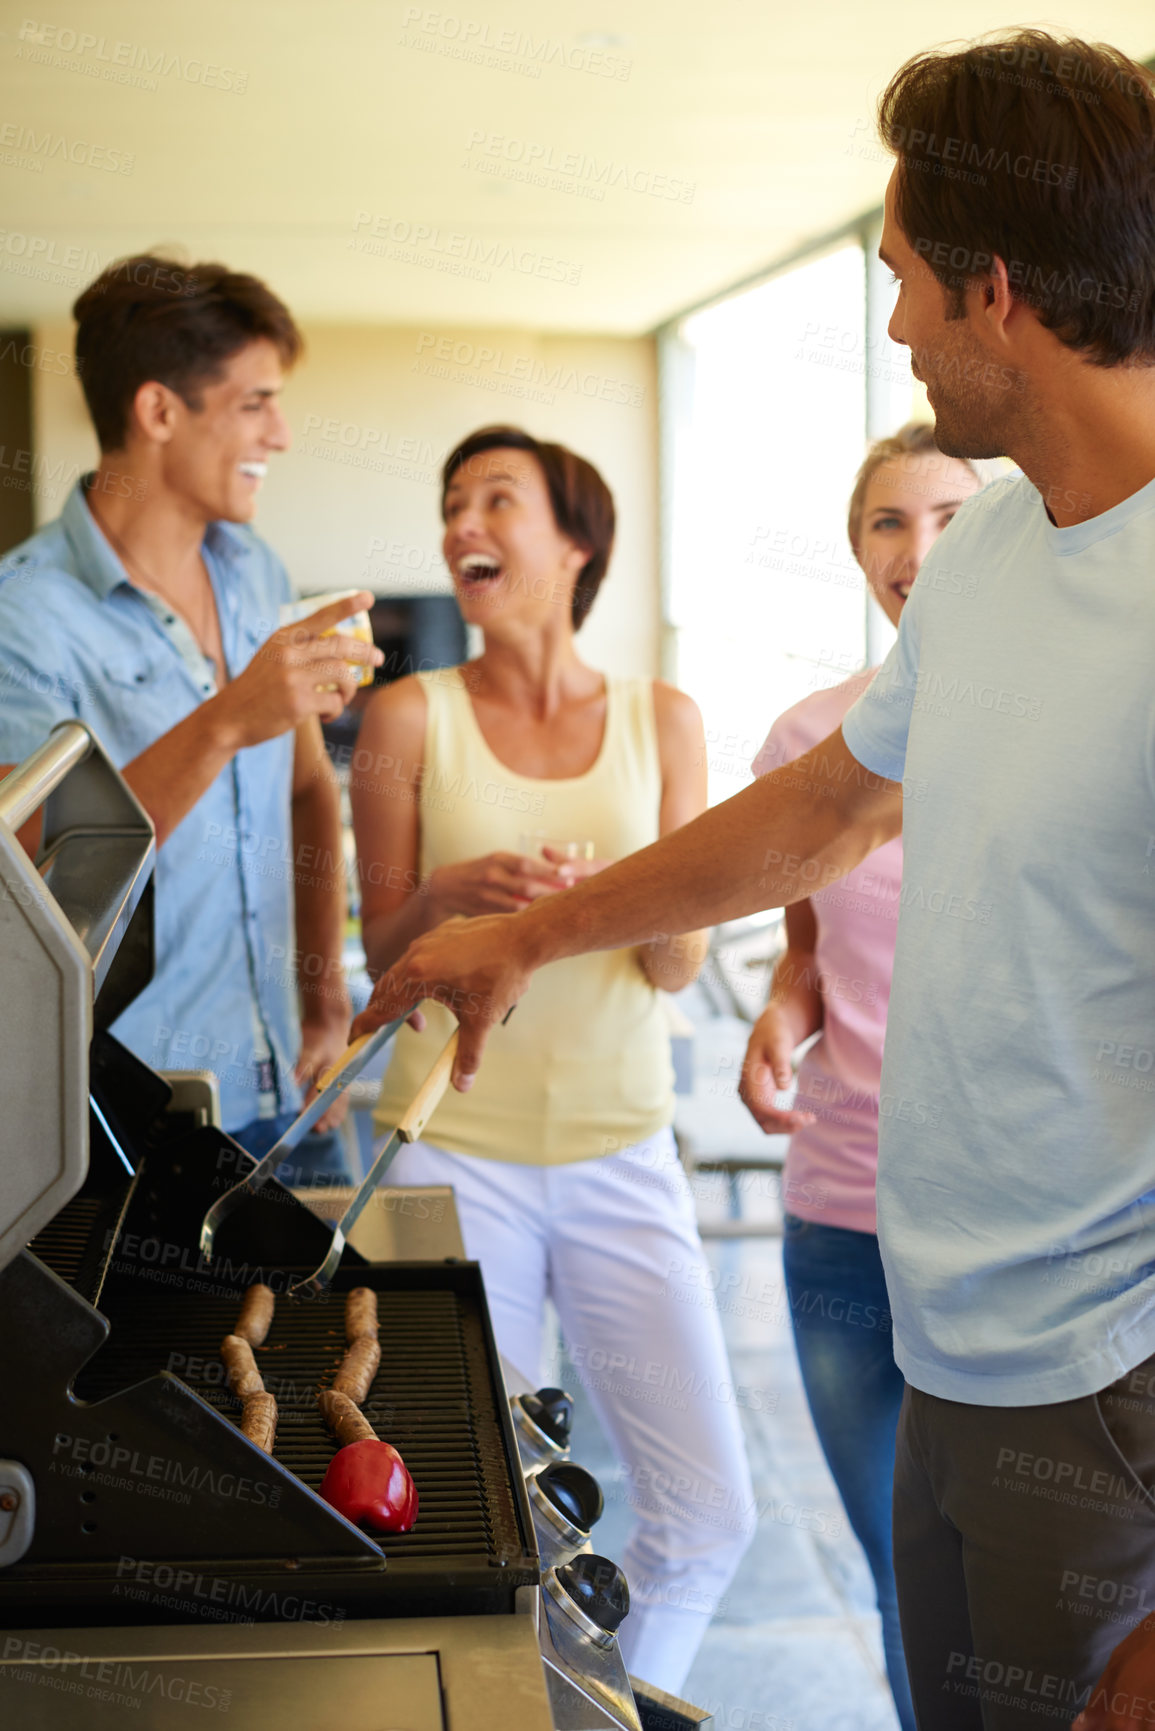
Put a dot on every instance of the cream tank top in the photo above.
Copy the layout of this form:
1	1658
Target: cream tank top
582	1068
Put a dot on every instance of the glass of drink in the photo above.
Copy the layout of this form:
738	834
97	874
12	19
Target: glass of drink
534	843
357	625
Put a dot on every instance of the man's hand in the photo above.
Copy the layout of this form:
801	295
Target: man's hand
767	1071
322	1043
1124	1697
718	867
477	968
295	673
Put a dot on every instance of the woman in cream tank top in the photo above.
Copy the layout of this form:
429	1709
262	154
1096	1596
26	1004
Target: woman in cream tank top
561	1156
583	1068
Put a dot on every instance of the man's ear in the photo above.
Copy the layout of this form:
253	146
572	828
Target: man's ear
998	298
154	411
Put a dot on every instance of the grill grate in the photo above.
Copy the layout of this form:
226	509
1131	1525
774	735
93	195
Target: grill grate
432	1397
74	1241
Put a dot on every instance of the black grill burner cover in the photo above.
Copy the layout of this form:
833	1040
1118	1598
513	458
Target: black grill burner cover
574	1492
598	1586
551	1409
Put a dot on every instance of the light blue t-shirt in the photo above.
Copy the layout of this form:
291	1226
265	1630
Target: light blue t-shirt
79	641
1016	1194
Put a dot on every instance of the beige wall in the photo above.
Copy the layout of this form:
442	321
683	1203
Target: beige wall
374	410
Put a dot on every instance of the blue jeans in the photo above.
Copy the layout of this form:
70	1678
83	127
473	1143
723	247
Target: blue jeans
319	1159
842	1334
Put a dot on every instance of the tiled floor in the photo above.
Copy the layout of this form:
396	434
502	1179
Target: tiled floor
796	1646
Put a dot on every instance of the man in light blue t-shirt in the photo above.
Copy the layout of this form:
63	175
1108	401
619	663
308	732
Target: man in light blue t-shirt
1017	715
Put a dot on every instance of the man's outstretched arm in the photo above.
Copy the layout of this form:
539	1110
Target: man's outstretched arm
793	831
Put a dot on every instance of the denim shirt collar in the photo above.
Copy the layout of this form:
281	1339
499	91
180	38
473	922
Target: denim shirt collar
97	564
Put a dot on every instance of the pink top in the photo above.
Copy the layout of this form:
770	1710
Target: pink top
831	1164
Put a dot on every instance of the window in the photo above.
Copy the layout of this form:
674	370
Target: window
766	402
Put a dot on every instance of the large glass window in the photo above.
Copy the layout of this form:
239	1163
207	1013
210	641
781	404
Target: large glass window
765	418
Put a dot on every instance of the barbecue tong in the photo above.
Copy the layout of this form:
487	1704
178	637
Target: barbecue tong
347	1068
408	1128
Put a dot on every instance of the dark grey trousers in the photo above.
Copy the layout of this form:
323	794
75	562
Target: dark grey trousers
1024	1550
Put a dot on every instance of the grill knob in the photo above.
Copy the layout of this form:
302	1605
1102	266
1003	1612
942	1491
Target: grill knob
598	1588
574	1493
551	1409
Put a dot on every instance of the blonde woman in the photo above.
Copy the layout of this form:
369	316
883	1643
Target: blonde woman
834	981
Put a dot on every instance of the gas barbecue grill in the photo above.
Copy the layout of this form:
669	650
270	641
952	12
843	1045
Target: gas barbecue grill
151	1556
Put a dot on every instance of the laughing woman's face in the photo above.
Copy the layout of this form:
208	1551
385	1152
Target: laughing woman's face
508	558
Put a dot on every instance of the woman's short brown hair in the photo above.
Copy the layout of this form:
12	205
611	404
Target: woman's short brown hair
915	439
583	506
148	318
1039	151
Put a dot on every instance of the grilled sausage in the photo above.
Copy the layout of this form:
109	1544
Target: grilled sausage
256	1316
360	1313
259	1420
244	1377
341	1415
358	1368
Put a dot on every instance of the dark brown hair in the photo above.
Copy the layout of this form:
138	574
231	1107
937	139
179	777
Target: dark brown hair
148	318
583	506
1040	151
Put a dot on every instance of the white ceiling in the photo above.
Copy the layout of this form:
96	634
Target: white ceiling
759	113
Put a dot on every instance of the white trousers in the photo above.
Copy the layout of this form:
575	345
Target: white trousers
614	1243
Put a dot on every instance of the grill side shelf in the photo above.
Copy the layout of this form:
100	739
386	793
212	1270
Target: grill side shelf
153	1470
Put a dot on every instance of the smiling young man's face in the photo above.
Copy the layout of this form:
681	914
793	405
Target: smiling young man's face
217	451
970	388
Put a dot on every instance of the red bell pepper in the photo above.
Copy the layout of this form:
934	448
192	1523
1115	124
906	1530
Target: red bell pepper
369	1484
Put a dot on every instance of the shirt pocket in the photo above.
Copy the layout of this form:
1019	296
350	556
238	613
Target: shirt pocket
142	695
250	635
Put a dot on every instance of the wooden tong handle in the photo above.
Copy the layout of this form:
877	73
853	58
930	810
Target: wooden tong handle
346	1057
423	1104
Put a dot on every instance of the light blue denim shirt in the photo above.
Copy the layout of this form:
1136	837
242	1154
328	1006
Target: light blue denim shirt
78	640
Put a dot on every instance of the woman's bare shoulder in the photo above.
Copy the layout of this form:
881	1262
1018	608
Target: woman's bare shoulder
396	713
674	709
400	698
